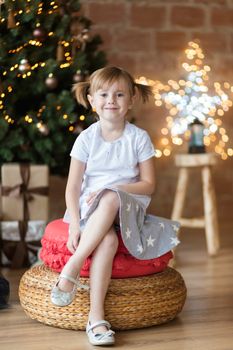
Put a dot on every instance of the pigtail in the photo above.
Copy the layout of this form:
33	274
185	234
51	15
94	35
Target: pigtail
144	91
81	90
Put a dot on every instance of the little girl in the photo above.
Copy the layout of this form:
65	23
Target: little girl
111	179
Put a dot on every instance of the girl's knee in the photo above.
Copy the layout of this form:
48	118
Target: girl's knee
110	200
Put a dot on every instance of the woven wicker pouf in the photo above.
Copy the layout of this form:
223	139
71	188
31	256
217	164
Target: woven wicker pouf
130	302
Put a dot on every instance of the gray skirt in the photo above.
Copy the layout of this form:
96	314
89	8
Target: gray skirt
145	236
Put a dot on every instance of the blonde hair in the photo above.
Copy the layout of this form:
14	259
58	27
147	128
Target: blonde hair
109	75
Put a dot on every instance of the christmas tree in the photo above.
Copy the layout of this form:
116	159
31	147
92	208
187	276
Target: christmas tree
45	47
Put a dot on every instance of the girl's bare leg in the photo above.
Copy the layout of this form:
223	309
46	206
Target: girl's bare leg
98	225
101	270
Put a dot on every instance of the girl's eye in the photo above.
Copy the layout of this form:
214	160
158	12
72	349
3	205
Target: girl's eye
103	94
120	94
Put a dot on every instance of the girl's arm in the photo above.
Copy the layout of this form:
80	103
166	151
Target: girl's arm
146	184
72	195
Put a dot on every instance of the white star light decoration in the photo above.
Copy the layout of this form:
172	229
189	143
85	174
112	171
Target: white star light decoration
190	98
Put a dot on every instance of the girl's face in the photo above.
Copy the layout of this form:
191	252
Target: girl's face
112	102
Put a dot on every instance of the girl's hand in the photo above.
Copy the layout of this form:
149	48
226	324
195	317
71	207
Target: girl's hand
91	198
73	239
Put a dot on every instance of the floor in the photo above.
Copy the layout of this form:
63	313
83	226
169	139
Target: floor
206	322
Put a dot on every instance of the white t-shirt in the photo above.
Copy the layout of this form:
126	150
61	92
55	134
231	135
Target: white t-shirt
111	163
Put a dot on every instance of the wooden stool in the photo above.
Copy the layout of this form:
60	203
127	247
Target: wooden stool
209	221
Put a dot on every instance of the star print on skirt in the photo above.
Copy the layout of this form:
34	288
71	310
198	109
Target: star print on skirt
145	236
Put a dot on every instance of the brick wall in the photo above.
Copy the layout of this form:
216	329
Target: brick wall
148	38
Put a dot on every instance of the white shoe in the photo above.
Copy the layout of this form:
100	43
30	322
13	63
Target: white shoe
61	298
105	338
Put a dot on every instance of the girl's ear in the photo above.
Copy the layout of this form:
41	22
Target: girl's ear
133	98
90	99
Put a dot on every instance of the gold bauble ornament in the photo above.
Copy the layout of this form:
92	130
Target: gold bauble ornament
51	81
78	77
39	34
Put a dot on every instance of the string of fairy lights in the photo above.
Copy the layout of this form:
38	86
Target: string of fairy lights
186	99
189	99
23	69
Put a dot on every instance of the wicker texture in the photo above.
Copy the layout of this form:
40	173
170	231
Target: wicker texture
130	303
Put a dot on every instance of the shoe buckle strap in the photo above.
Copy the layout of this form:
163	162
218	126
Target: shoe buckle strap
75	281
97	324
104	335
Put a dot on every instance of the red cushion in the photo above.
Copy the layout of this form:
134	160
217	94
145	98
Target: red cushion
55	254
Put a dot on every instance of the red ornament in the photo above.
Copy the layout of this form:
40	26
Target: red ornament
39	34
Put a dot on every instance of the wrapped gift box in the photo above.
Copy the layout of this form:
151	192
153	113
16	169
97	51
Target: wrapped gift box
25	187
24	198
12	245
